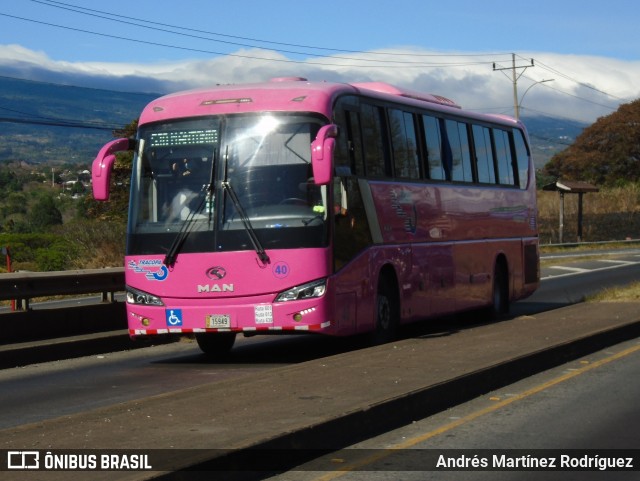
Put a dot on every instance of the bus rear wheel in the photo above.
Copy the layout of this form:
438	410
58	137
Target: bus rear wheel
500	296
216	345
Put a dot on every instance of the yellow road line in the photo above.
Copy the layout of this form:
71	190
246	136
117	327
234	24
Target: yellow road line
383	453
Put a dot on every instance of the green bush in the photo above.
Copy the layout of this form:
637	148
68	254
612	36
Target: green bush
47	252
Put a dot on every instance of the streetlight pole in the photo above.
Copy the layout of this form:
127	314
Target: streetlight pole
519	104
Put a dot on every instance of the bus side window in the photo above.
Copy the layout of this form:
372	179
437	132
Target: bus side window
403	144
351	232
340	201
432	138
484	155
375	152
503	157
460	155
355	142
522	155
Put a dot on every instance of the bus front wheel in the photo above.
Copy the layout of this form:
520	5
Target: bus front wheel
387	313
216	345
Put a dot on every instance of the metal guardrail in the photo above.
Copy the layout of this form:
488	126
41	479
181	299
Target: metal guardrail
631	242
24	286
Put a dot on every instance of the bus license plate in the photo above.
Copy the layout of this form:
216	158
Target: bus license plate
214	321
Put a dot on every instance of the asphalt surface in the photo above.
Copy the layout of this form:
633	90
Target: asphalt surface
328	403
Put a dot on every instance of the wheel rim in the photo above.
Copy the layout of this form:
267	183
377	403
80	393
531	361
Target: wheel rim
497	297
384	313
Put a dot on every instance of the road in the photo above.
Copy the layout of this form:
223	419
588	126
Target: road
44	391
571	279
587	404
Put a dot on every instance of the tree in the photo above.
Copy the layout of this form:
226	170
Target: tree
14	203
9	182
44	214
77	188
606	153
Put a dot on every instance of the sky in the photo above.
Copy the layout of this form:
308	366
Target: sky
585	55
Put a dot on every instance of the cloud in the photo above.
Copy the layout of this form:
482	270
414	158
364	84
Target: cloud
584	87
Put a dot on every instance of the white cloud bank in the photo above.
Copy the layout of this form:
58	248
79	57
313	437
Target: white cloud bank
584	88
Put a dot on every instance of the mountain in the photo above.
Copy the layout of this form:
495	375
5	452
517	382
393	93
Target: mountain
549	136
52	123
44	122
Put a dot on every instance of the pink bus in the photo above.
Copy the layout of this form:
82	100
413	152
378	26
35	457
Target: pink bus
297	206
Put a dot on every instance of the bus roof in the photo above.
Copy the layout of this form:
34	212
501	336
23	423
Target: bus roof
389	89
286	94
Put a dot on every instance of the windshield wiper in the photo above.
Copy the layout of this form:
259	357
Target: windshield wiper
257	245
172	254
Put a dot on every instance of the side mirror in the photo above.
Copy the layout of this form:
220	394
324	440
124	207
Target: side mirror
322	154
103	166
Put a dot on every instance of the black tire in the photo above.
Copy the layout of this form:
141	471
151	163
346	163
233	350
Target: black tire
387	313
216	345
500	295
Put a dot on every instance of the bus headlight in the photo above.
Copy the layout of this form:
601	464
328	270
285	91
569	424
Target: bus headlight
305	291
134	296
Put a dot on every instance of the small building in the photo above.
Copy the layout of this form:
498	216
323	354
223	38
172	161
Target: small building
570	187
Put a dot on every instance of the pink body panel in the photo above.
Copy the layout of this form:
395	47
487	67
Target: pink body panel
275	96
430	213
442	242
233	284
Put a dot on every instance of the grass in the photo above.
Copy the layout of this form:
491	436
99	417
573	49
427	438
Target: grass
630	293
583	252
611	214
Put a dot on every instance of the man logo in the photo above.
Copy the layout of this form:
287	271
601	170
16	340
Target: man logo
216	273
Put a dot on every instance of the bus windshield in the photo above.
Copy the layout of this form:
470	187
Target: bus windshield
225	183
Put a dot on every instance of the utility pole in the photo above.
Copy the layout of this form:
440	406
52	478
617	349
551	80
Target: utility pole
514	78
7	253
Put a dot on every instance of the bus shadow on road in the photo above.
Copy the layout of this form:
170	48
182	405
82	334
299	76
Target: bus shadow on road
296	348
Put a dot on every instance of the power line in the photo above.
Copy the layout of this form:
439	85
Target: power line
118	18
39	119
516	77
373	62
59	123
583	84
46	82
35	119
583	99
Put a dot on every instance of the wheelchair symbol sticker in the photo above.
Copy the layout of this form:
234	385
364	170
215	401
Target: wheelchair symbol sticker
174	317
